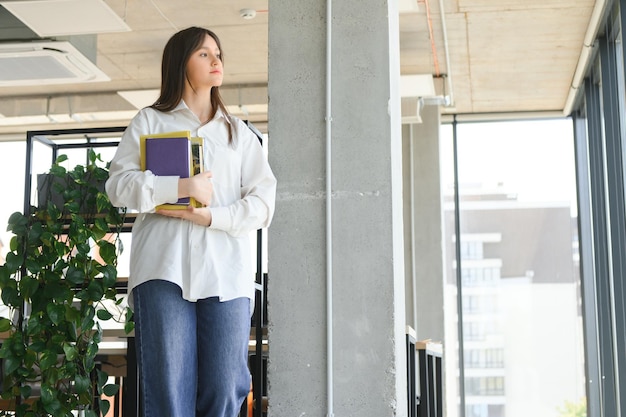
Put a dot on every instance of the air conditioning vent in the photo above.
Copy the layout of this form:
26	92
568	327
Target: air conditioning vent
44	63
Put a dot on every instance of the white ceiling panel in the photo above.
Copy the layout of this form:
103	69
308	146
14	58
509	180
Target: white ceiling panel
66	17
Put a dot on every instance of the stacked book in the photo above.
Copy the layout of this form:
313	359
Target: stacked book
173	154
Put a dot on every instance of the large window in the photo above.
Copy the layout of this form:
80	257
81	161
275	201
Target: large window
12	169
520	313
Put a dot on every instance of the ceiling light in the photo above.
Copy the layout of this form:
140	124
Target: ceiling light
140	98
59	17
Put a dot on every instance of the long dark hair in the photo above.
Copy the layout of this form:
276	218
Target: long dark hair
174	69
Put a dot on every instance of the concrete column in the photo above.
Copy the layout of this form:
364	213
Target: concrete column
369	370
424	239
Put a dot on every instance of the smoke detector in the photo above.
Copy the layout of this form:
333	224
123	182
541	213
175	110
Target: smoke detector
247	13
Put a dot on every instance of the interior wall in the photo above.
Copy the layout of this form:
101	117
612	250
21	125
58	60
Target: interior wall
423	232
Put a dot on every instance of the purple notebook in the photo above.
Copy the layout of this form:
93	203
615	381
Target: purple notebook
169	157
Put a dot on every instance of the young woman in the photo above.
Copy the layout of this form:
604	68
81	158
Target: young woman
191	277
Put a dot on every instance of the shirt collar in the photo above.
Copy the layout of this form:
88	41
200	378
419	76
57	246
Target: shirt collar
219	113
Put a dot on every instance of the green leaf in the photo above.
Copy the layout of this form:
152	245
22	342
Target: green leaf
92	350
129	326
104	314
72	332
61	248
71	313
34	234
30	357
100	228
95	290
47	359
75	275
109	275
6	348
57	342
70	351
14	261
49	399
58	291
49	277
60	159
28	286
17	223
110	390
83	248
68	370
53	211
103	204
35	265
5	324
56	312
11	364
88	315
38	346
5	275
100	175
73	207
110	294
103	377
82	384
15	243
23	373
113	216
104	406
89	363
10	297
92	156
25	391
107	252
33	326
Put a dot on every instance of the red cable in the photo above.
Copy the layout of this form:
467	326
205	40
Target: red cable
432	38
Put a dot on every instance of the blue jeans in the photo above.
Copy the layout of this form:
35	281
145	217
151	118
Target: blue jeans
192	357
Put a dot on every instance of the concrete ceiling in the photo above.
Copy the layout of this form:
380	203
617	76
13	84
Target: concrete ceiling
504	56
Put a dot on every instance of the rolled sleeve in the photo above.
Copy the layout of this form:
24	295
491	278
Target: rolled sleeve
165	189
220	218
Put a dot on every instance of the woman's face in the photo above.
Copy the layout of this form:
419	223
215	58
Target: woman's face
204	67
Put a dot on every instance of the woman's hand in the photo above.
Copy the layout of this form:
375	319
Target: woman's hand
199	187
199	215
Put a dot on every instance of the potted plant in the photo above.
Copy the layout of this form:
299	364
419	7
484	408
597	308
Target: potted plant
60	271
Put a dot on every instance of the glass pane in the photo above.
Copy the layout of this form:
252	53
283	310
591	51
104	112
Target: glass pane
521	316
451	345
12	171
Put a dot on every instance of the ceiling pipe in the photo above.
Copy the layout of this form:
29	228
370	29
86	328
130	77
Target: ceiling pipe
449	98
432	38
330	382
597	16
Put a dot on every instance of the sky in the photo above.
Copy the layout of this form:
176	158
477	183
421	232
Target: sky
533	159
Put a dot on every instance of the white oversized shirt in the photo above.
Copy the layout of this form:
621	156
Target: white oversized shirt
212	261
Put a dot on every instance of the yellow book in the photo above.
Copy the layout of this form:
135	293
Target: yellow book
172	154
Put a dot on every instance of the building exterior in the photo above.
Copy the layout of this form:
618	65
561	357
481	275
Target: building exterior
522	327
